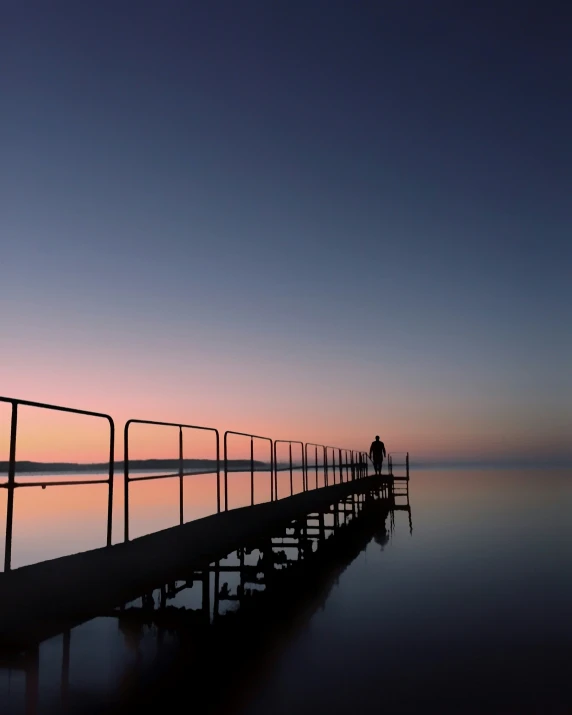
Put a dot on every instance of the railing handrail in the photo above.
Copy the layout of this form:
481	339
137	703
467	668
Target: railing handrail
180	474
289	442
57	408
247	434
357	460
401	464
324	460
11	484
226	470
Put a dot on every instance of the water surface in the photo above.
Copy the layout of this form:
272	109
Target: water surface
469	613
463	610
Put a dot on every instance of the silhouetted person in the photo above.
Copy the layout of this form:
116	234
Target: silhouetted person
376	454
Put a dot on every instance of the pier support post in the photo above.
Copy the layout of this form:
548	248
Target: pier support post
33	681
206	595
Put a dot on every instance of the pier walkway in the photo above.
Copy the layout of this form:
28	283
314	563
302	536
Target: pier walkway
44	599
37	601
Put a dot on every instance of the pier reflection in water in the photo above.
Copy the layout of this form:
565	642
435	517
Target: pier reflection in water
178	631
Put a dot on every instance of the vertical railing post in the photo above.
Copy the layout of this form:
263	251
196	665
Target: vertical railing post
291	474
341	467
252	473
327	468
11	487
217	472
181	478
274	484
225	473
126	482
272	468
316	454
111	478
407	465
334	463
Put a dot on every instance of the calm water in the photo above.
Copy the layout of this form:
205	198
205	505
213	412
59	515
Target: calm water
468	613
471	613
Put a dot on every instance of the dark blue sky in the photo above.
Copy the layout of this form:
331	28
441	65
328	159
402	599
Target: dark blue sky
317	205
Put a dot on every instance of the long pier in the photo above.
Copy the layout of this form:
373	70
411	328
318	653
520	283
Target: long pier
44	599
202	598
40	600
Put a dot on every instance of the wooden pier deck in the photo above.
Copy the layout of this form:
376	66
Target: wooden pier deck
39	601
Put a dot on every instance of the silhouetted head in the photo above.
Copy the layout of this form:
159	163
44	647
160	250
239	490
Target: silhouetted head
377	438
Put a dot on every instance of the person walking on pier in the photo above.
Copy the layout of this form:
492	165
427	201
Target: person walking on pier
376	454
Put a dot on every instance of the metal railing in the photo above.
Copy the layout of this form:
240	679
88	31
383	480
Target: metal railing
11	485
346	462
331	464
365	463
180	473
252	470
345	465
405	463
316	464
290	466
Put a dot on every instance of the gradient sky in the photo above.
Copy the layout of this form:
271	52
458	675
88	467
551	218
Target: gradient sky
314	220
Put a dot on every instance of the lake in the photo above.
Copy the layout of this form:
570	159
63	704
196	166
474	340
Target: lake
465	612
469	614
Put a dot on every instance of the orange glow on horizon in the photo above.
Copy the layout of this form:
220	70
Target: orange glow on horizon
417	423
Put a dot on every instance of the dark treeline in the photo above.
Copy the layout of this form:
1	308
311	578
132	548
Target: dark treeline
147	464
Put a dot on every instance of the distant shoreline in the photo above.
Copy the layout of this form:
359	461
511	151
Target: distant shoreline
172	465
23	467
